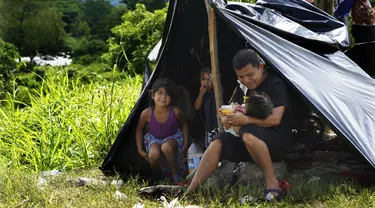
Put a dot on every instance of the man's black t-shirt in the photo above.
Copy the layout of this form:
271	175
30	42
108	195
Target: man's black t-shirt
276	88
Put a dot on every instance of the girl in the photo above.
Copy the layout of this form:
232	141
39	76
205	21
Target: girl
164	135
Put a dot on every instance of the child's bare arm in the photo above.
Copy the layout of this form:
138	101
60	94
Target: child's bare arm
139	130
184	127
199	101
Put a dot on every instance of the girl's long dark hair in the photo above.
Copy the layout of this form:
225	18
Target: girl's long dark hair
169	86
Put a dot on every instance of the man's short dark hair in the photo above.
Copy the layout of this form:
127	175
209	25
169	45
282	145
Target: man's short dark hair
245	57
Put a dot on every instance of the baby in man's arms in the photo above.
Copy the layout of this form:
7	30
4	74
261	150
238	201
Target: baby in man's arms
257	105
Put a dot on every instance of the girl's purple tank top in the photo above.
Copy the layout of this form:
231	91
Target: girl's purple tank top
166	129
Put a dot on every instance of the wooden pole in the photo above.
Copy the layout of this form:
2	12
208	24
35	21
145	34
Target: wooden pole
215	63
325	5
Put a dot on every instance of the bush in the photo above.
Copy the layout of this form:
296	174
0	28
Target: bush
134	38
8	65
95	72
87	59
86	50
29	81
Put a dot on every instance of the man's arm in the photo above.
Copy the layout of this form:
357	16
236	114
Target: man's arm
239	119
272	120
279	97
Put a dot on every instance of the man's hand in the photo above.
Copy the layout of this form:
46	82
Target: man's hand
237	119
143	154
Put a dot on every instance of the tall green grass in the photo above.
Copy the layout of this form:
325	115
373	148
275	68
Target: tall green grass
67	123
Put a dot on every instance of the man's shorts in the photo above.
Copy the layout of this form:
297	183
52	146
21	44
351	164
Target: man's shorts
233	148
209	137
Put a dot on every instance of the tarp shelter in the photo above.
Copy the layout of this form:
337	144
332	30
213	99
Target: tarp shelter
297	40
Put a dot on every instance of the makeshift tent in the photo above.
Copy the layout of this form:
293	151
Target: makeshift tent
296	40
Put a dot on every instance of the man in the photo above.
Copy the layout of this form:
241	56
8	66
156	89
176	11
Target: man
261	140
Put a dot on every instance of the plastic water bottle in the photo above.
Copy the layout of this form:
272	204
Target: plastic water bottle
195	153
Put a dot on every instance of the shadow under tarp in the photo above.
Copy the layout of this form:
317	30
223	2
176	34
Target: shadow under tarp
363	52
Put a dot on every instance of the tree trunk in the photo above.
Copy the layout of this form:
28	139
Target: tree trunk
326	5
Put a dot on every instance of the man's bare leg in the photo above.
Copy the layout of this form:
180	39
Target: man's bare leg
207	165
261	155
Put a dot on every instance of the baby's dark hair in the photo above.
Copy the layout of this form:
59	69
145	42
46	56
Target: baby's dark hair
258	105
161	83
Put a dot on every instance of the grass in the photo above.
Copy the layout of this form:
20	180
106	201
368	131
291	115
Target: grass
67	124
20	189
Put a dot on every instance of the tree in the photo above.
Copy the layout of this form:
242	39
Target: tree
95	11
326	5
101	16
73	17
135	38
111	20
32	26
8	64
151	5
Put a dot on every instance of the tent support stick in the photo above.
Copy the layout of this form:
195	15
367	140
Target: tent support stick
215	63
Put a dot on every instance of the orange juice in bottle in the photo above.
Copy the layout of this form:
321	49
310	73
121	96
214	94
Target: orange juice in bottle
226	109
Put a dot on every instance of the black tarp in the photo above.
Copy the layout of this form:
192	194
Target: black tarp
307	55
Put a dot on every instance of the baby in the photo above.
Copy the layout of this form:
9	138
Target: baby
257	105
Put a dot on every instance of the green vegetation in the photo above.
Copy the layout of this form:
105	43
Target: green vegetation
151	5
68	117
135	38
21	189
8	64
67	123
47	27
32	26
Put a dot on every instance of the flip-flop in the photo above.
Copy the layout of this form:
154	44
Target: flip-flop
269	196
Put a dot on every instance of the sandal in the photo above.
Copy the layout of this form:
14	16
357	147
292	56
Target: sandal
284	185
269	196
